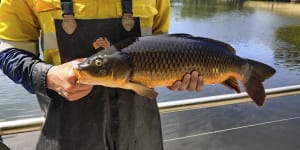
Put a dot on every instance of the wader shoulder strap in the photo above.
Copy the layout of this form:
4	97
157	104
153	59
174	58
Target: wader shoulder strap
127	15
67	7
127	6
69	23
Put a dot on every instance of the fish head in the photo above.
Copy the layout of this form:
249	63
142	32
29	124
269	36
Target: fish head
110	70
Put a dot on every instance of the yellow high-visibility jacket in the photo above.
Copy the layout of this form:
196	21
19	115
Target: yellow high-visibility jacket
22	22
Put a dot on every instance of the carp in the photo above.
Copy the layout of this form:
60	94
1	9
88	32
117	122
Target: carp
143	63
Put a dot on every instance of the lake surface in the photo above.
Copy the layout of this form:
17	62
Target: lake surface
257	30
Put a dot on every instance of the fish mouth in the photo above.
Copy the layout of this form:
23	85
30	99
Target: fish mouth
77	73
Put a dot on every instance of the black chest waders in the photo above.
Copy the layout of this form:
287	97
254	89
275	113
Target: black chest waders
107	118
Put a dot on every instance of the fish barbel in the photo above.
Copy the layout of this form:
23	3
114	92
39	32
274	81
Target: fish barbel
143	63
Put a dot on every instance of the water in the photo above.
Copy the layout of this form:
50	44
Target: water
235	127
257	30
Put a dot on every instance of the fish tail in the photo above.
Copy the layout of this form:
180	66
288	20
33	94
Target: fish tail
253	78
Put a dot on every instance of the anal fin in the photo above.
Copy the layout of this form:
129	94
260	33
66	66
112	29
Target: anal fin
233	84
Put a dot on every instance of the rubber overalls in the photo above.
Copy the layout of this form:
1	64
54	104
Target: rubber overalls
107	118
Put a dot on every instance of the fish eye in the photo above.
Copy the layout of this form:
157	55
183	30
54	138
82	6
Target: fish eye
98	62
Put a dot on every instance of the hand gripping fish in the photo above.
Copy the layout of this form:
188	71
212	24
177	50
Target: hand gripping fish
143	63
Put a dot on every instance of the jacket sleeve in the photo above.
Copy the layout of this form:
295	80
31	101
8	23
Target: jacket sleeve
18	21
25	68
19	31
162	19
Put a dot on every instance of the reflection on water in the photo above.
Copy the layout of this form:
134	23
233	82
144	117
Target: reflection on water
288	55
205	8
279	8
289	34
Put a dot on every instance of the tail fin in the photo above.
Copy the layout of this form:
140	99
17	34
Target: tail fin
253	78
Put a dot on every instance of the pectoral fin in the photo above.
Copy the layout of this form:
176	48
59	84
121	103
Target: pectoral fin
142	90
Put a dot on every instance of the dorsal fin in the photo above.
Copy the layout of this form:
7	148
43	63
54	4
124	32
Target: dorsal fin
184	35
180	35
229	47
124	43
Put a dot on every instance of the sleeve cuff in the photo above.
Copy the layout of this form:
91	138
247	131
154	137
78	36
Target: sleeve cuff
40	71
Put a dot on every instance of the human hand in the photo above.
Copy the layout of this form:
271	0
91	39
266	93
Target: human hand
190	82
62	79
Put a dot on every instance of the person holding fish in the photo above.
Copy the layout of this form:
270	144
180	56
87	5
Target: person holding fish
80	116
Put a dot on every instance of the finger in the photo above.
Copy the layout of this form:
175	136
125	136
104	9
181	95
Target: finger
175	86
185	82
78	87
193	81
72	79
61	92
77	95
81	87
78	60
200	83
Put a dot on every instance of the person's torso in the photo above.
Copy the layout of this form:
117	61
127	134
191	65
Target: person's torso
48	11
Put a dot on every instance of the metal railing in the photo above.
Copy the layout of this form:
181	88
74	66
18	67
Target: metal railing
34	124
21	125
220	100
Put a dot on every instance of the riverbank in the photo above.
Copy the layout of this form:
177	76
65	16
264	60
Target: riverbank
277	7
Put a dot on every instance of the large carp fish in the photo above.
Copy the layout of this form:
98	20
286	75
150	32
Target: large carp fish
143	63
